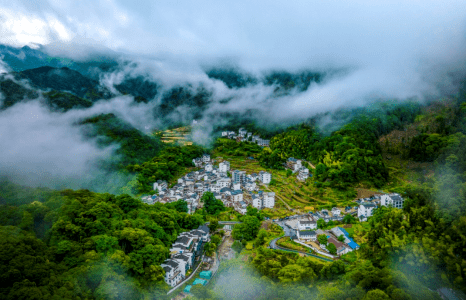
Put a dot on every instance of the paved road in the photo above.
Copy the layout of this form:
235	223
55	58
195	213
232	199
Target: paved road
287	230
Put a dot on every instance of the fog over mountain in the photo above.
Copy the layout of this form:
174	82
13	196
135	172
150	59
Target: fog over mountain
271	61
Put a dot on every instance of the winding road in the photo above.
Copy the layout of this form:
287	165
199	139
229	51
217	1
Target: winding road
273	245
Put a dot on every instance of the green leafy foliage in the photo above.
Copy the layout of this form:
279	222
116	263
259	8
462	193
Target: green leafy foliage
212	205
96	246
322	238
167	165
64	79
213	225
332	248
135	147
231	147
63	101
248	229
180	206
13	92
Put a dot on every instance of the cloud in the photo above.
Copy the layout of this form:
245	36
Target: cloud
44	148
391	50
263	34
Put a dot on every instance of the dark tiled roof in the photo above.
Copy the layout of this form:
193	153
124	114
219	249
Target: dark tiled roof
183	240
204	228
167	269
306	232
172	263
181	256
396	197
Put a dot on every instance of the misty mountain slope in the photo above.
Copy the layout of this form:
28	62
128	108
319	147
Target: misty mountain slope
143	90
20	59
236	78
135	146
64	101
64	79
13	92
232	77
181	104
288	81
24	58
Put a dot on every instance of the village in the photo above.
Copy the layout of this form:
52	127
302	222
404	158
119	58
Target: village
237	189
244	136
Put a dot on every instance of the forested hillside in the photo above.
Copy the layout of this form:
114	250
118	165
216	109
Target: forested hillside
84	245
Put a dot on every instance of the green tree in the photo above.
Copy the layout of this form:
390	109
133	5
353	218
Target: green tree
216	239
341	238
321	223
201	292
349	219
237	246
209	248
212	205
180	205
248	229
320	169
213	225
288	173
323	239
332	248
376	294
261	237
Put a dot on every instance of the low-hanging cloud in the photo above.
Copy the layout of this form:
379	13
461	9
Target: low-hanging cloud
392	50
44	148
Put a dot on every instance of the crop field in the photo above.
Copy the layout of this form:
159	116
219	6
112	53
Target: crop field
290	192
179	135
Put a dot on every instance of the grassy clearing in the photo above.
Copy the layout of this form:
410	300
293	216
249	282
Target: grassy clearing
289	244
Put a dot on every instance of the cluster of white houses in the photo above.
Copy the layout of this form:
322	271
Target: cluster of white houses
367	205
243	135
306	225
185	251
237	191
295	166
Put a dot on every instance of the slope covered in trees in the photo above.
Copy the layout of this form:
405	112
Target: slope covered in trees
135	147
95	246
64	79
171	162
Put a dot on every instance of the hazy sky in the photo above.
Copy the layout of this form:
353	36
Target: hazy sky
389	49
257	34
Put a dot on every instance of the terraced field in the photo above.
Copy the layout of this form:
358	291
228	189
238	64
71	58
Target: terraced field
179	135
291	194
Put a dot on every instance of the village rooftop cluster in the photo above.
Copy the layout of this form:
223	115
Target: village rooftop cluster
244	136
185	251
237	191
305	226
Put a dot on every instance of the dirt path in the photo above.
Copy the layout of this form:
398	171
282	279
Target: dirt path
311	165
